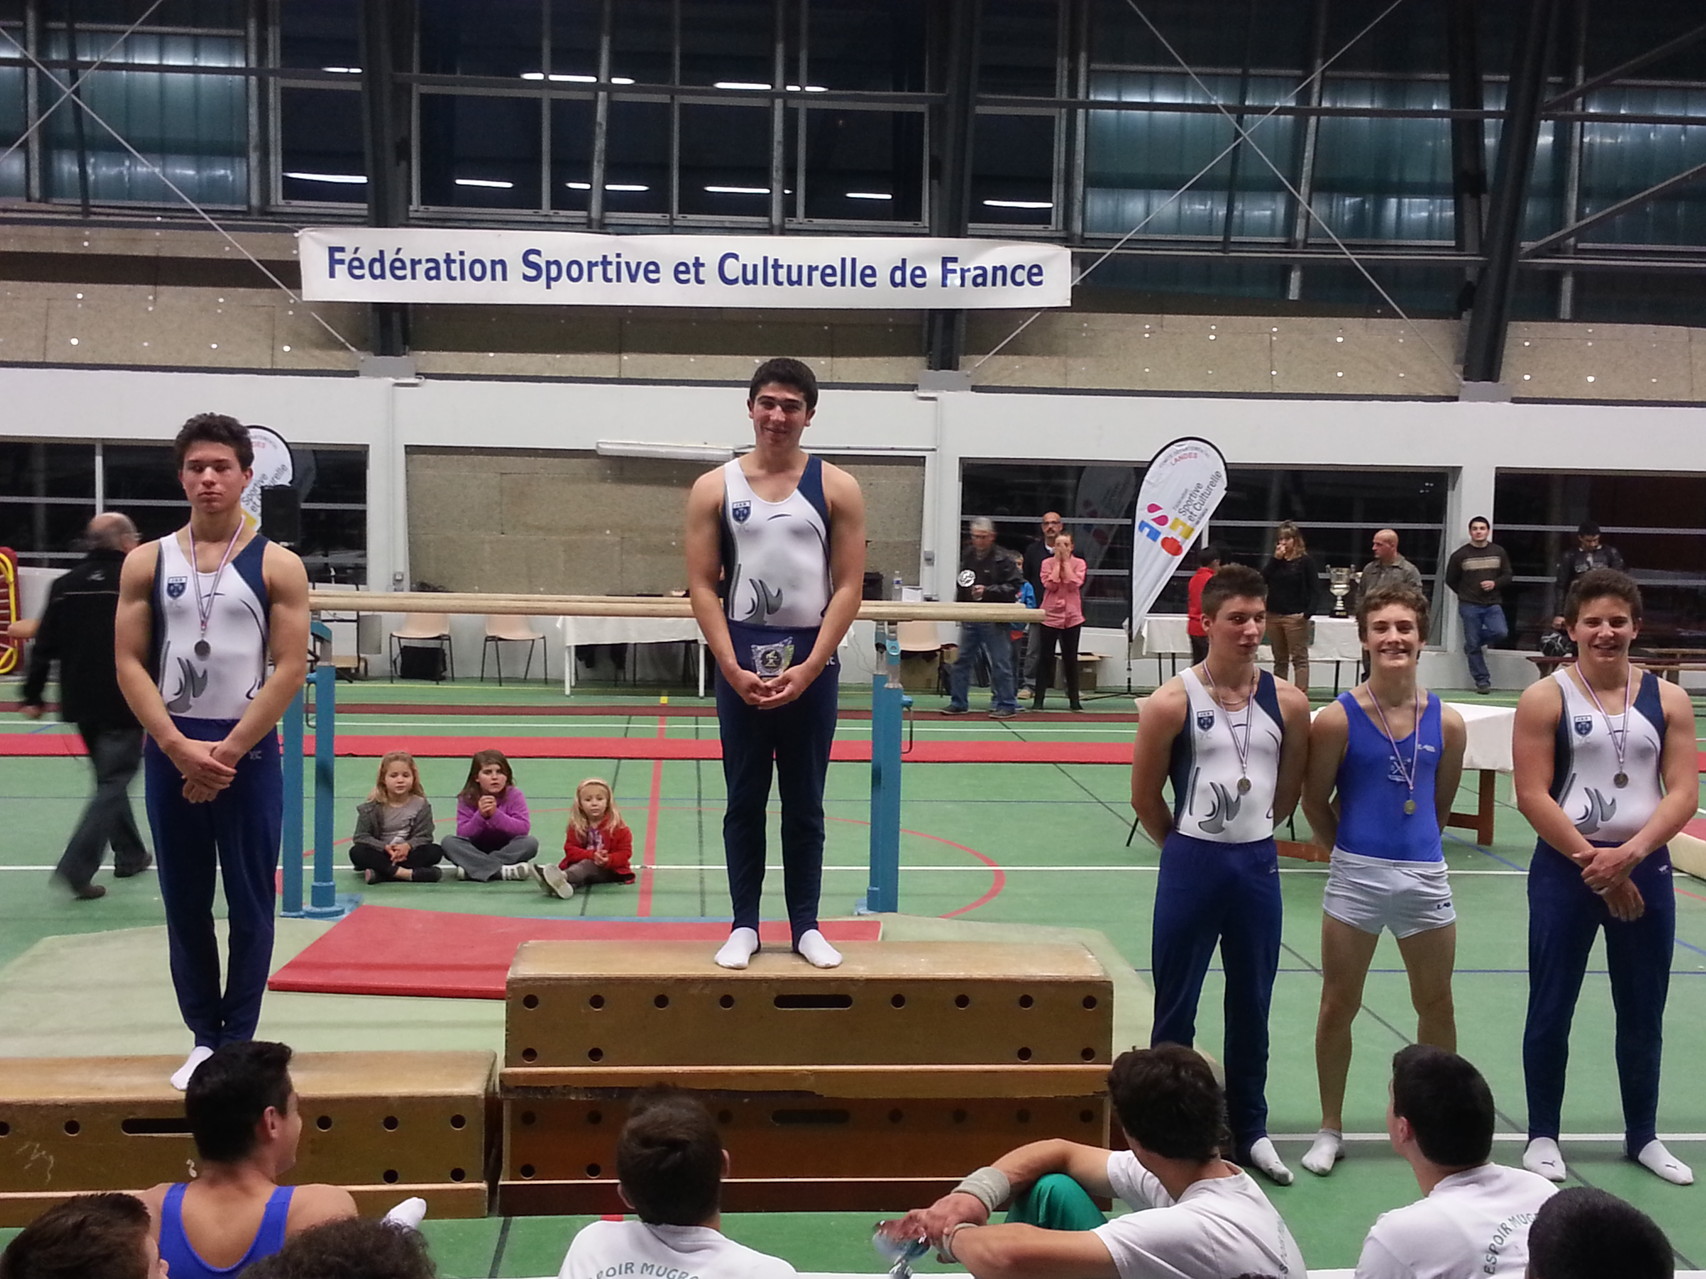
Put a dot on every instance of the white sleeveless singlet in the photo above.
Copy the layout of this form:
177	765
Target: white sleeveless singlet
776	554
1584	763
1205	768
222	684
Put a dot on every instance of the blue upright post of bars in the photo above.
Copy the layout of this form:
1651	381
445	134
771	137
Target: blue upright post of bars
324	903
290	843
883	893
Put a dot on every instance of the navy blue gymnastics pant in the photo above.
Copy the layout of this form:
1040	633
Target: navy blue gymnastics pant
1225	894
1564	917
237	832
795	740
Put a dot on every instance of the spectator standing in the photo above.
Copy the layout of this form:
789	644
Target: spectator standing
1387	568
1038	551
1208	564
987	575
1294	589
1063	619
1590	552
76	630
1478	573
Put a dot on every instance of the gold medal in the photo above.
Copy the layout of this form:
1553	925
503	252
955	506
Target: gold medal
1409	807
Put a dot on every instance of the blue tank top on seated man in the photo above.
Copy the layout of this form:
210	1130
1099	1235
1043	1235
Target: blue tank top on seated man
1373	789
184	1262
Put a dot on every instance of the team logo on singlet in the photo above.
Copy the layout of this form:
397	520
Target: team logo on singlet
175	587
1205	720
742	511
1584	725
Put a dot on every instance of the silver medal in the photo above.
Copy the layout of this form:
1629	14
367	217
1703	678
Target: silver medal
1243	785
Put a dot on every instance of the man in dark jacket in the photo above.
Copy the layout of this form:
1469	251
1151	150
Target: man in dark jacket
988	575
1589	552
77	631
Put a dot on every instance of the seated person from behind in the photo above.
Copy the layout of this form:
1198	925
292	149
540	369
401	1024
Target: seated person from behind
86	1237
1583	1233
670	1166
352	1248
1476	1214
242	1113
1204	1218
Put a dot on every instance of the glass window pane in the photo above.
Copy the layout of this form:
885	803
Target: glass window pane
574	37
334	545
642	41
725	160
727	42
636	165
1385	178
1017	48
319	33
29	468
44	529
322	154
331	475
140	472
194	128
873	45
229	14
12	184
479	153
865	164
571	153
1012	178
492	38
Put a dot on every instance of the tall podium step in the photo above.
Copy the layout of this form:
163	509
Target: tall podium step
383	1125
890	1003
874	1085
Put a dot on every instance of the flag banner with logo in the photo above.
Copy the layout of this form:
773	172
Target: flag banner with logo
575	268
1182	486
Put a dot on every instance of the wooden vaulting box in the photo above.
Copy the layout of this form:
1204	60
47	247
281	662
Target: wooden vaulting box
382	1125
872	1085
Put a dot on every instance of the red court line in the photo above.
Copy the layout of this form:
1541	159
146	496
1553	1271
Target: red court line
649	859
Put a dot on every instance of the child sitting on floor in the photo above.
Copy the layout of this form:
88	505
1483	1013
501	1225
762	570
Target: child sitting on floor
491	839
599	847
393	829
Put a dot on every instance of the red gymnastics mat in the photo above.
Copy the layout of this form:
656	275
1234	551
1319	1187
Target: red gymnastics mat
390	950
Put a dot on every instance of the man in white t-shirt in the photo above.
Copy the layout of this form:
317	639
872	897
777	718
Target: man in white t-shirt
1476	1214
670	1166
1204	1218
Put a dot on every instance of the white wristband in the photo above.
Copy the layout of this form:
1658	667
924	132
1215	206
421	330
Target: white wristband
946	1247
988	1185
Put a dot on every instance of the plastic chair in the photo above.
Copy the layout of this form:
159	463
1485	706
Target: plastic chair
507	629
420	629
924	639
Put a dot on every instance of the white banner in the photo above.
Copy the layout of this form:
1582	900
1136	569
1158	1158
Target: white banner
1184	483
569	268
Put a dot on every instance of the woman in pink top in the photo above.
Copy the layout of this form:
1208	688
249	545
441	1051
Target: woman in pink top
1063	617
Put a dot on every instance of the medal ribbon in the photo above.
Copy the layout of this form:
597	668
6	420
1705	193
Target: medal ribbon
1241	749
1408	774
1619	736
205	611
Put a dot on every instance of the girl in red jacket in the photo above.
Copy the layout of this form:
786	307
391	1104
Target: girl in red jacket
599	846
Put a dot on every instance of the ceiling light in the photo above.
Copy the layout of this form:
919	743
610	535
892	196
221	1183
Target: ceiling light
869	195
345	179
1018	204
494	183
608	186
557	77
739	84
670	452
343	70
738	190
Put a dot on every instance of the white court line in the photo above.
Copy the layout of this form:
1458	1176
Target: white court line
352	723
977	868
1519	1137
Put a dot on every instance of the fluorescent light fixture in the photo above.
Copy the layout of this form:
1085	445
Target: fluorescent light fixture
608	186
869	195
343	70
738	190
343	179
764	87
1018	204
494	183
565	78
667	452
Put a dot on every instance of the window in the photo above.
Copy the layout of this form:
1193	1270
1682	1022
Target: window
47	498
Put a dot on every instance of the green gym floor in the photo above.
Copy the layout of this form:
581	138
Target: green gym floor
1025	850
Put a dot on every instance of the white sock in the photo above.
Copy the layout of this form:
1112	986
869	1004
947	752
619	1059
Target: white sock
815	947
738	950
1544	1157
1265	1160
1656	1159
409	1214
181	1076
1326	1150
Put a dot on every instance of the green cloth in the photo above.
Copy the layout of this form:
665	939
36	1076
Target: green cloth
1056	1202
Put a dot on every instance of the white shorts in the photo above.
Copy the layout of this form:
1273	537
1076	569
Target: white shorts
1375	893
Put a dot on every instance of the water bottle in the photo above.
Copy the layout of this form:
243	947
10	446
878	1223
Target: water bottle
899	1253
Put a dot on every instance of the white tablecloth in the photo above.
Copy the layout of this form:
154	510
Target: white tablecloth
1487	735
627	630
1335	639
